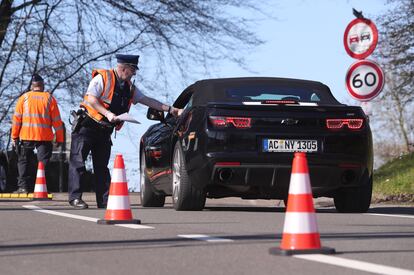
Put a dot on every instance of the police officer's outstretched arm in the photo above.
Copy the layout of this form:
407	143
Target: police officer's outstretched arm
153	103
94	102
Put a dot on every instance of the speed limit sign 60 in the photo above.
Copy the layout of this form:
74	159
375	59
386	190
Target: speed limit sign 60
364	80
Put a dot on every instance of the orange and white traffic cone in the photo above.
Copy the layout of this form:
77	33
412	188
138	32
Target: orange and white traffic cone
40	190
118	209
300	231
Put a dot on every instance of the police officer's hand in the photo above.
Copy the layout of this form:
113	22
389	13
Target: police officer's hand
111	117
175	111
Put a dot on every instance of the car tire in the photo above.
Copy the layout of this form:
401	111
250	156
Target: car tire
148	197
185	196
355	200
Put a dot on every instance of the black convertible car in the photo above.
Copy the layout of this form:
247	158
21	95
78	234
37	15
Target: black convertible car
236	138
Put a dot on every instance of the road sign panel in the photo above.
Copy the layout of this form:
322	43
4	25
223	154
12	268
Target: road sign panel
364	80
360	38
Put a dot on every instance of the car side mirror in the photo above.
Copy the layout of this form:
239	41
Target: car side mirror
153	114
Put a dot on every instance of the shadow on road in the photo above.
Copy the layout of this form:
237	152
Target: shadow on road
260	209
268	239
63	205
397	210
244	209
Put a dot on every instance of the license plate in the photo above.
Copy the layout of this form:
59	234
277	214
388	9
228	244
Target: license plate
290	145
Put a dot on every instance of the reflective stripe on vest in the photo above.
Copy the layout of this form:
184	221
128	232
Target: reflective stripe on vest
38	116
39	125
59	128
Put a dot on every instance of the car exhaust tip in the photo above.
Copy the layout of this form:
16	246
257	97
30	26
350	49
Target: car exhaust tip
348	177
225	174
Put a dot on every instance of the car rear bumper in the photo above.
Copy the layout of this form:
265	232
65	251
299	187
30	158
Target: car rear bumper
268	175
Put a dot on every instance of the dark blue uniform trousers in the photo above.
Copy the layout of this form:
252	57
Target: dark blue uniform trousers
99	143
26	158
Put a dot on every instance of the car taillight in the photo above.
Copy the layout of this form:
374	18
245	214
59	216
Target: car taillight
339	123
238	122
279	102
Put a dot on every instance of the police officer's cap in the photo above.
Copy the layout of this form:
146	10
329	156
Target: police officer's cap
37	78
128	59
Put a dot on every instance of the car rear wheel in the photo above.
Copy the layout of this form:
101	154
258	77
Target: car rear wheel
184	195
148	197
356	200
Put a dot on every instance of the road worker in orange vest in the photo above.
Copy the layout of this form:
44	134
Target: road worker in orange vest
110	93
35	114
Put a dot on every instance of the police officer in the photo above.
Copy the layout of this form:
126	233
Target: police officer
35	114
110	93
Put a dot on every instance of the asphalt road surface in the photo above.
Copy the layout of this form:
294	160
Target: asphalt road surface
230	236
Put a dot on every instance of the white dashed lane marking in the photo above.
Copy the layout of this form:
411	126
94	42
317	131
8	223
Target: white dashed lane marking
206	238
390	215
84	218
354	264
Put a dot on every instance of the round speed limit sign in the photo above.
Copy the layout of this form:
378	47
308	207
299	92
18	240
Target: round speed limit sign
360	38
364	80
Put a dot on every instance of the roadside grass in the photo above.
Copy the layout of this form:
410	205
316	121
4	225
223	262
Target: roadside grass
395	179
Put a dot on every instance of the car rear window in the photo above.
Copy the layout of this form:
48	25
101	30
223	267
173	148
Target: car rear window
243	94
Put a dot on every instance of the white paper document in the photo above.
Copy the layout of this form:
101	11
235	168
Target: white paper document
127	117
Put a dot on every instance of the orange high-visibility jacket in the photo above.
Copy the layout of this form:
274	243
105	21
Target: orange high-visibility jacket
105	98
35	115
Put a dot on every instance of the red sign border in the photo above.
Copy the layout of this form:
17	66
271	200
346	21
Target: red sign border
380	73
374	42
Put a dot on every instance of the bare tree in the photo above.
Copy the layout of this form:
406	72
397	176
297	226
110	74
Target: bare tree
62	40
395	106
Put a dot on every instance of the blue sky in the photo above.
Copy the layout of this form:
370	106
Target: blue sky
305	42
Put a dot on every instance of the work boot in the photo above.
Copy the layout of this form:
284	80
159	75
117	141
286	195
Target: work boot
78	204
21	190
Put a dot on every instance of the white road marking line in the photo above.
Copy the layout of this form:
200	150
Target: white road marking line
390	215
354	264
66	215
135	226
206	238
78	217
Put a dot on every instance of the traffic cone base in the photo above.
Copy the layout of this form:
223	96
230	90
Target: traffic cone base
41	199
118	210
131	221
40	190
300	230
287	252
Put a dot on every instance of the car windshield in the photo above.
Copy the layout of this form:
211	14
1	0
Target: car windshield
243	94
